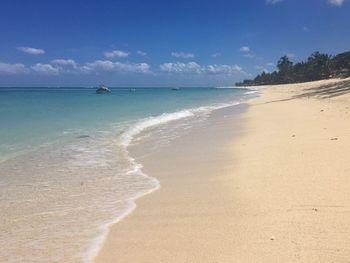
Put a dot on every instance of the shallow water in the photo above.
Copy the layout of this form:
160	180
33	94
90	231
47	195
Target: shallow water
66	172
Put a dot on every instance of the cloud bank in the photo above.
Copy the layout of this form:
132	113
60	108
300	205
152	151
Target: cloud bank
106	65
69	66
195	68
46	69
6	68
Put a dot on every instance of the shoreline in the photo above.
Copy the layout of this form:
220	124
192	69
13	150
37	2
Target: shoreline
74	188
217	117
276	192
126	140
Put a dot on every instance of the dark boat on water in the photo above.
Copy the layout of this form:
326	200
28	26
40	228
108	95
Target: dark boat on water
103	90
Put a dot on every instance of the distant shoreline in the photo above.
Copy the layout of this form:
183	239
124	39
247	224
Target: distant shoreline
318	66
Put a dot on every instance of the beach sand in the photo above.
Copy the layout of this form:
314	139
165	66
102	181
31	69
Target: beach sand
271	184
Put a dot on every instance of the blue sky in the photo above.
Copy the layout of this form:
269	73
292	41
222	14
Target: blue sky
161	43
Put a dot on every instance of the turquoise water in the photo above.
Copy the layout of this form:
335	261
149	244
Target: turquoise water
33	116
65	170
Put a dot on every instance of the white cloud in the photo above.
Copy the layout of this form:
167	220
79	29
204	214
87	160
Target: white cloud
336	2
246	52
31	50
306	29
272	2
46	69
107	65
65	62
141	53
290	55
178	67
195	68
182	55
69	66
6	68
116	54
270	64
224	69
244	49
215	55
66	65
57	66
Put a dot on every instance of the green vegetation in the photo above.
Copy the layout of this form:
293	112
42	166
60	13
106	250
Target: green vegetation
317	66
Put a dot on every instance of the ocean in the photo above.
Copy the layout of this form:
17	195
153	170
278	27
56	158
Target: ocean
65	170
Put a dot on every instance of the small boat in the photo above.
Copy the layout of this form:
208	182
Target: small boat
175	88
103	89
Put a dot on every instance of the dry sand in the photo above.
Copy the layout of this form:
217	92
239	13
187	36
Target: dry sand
269	185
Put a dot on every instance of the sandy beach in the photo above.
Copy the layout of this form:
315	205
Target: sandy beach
264	183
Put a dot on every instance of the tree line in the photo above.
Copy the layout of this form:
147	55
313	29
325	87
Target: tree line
317	66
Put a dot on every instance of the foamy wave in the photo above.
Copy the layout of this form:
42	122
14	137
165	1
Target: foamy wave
136	129
128	135
251	92
98	242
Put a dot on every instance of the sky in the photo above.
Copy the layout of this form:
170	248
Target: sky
155	43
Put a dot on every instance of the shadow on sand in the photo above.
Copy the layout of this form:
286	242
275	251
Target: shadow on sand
326	91
322	92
